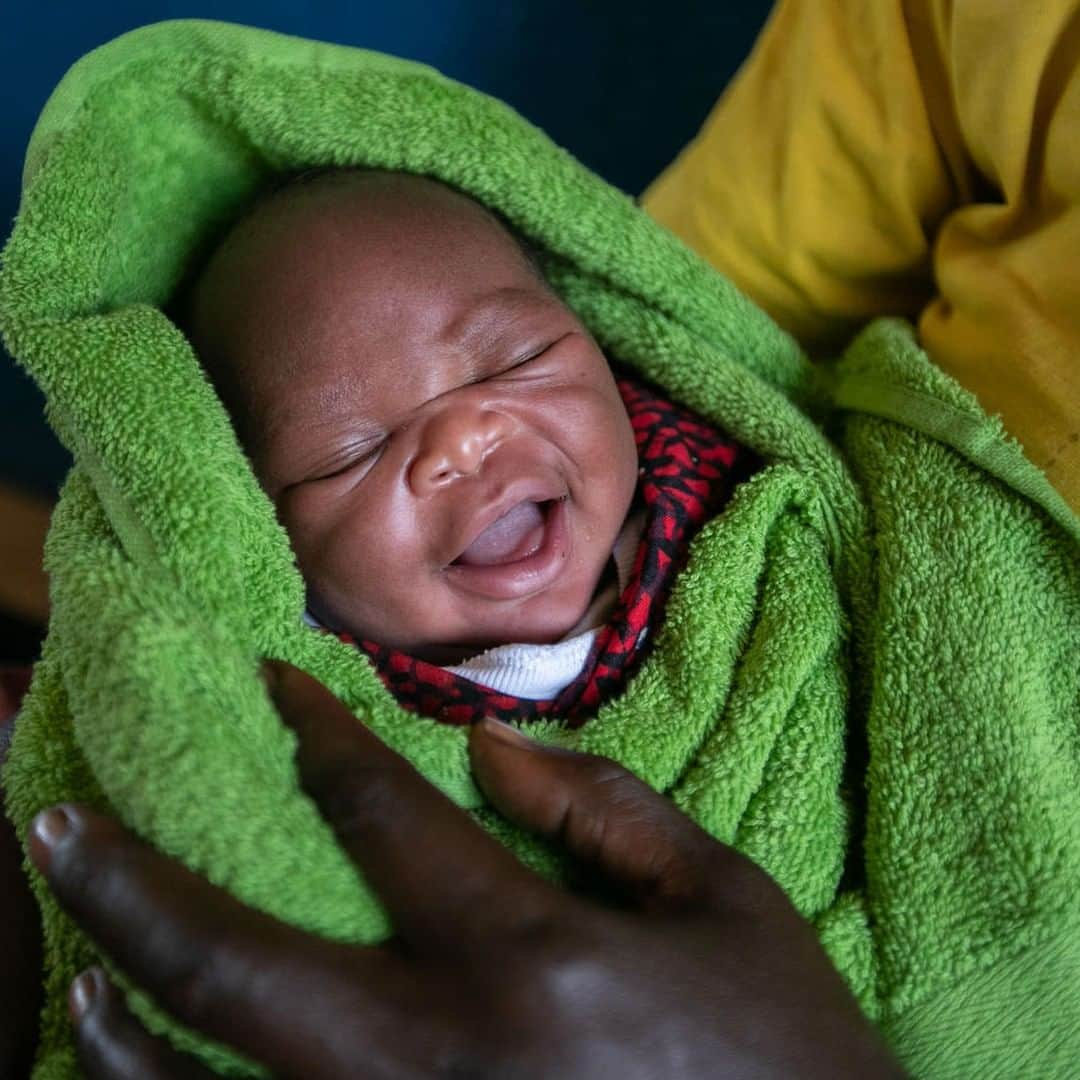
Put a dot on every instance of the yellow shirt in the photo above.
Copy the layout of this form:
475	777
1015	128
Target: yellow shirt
911	157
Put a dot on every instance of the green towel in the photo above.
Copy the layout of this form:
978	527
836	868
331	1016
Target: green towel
867	678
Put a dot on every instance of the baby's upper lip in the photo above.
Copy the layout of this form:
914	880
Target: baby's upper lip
507	497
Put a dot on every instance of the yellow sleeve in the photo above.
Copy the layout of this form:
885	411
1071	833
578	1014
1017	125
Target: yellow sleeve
911	157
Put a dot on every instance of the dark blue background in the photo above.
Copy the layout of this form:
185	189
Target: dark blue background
623	84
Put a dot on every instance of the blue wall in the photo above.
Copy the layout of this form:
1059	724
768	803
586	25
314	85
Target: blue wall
623	84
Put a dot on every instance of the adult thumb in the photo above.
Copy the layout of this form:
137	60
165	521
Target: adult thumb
612	822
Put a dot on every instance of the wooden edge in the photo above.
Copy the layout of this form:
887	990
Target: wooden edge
24	520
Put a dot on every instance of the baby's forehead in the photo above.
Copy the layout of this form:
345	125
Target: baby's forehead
304	234
368	204
321	268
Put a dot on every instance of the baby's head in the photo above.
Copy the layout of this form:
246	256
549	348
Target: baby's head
442	438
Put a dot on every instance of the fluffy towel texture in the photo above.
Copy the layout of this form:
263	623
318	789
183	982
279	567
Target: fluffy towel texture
867	679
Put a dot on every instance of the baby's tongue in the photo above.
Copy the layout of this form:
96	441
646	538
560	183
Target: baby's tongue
516	534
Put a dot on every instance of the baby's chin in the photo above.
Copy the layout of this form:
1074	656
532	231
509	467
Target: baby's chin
540	621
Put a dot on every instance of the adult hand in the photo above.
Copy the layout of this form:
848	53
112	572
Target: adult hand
703	968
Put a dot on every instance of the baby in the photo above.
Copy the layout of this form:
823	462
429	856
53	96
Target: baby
443	440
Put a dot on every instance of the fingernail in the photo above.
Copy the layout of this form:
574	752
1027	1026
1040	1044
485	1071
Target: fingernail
85	988
51	826
46	831
507	734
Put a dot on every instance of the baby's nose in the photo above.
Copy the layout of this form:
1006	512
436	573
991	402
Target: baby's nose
453	444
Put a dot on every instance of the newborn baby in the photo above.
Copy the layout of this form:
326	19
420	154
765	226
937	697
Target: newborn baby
443	440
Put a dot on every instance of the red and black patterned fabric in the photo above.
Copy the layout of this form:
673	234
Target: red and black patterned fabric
686	471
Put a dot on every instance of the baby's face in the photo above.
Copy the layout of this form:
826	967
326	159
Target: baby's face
443	440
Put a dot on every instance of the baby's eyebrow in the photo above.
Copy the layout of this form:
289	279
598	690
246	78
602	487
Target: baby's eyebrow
324	415
343	453
488	319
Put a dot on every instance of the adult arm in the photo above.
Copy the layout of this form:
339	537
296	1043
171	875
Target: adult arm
703	968
916	158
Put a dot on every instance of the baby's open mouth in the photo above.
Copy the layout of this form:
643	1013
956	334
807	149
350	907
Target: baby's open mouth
516	535
521	553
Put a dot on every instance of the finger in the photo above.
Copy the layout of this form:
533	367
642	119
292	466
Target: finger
617	825
234	973
113	1045
442	878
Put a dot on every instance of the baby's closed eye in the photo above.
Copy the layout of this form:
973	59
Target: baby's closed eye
361	458
526	362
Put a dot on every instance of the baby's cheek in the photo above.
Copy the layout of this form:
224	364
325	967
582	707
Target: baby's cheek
320	542
371	583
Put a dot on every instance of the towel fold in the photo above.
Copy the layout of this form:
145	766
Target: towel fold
867	679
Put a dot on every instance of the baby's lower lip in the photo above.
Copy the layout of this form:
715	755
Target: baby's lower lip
522	577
